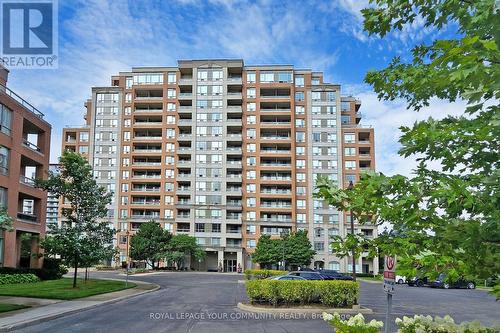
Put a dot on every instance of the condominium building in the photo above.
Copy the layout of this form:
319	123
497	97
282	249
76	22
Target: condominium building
358	155
219	150
52	217
24	156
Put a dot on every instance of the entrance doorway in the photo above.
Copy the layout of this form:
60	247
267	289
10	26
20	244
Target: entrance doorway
319	264
230	265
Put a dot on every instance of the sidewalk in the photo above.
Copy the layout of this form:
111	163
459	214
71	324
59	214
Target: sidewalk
46	309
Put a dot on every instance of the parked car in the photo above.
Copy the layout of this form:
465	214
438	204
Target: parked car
400	279
307	275
333	275
461	282
286	277
418	281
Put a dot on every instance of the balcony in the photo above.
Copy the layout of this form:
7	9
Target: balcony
186	80
185	109
234	95
234	108
185	95
234	80
146	176
233	150
27	217
276	204
145	189
148	110
234	122
26	181
153	95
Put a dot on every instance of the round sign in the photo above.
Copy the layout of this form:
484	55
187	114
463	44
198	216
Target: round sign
390	263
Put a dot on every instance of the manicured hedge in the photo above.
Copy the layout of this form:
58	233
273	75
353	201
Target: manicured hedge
18	278
52	270
336	294
259	274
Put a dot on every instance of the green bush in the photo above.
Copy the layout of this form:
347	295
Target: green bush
105	268
18	278
52	270
355	324
427	324
260	274
291	292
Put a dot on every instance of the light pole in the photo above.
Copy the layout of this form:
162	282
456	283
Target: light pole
126	279
350	187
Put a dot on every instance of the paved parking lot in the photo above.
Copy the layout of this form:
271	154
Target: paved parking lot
205	302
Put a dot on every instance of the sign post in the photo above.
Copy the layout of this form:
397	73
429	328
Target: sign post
389	282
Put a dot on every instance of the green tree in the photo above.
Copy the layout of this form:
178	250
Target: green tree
5	220
295	249
298	249
83	234
266	252
149	243
181	246
449	219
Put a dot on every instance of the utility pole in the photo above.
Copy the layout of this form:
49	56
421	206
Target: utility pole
128	261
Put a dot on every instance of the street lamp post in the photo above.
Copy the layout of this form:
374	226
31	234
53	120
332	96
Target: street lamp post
126	279
350	187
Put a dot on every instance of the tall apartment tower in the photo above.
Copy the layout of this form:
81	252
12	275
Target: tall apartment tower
218	150
358	155
24	156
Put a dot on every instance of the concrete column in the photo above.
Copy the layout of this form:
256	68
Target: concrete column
239	259
220	259
35	262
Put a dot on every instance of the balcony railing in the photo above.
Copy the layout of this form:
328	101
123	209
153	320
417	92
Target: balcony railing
148	110
147	138
21	101
26	180
147	150
26	217
31	146
147	176
146	189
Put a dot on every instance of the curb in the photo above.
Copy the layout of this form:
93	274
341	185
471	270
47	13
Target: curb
257	309
369	281
72	311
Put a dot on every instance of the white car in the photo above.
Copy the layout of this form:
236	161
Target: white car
400	279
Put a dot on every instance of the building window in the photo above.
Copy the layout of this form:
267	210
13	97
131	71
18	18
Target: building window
345	120
171	93
171	77
299	96
350	151
4	160
350	165
299	80
319	246
83	149
345	106
251	243
3	197
251	77
251	120
299	109
5	119
251	93
300	137
349	138
199	227
251	106
334	266
350	178
251	133
251	229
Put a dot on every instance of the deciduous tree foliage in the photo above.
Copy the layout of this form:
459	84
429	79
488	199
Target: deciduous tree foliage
295	248
84	238
149	243
181	246
445	220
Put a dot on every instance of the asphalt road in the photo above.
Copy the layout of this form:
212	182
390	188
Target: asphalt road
206	303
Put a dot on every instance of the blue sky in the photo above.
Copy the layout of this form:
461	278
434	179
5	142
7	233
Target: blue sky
98	39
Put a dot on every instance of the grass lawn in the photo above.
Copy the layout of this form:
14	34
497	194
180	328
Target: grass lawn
6	307
62	288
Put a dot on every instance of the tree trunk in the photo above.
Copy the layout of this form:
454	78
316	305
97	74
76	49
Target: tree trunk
76	273
86	274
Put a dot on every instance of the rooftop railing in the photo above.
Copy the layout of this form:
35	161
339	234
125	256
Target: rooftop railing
21	101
